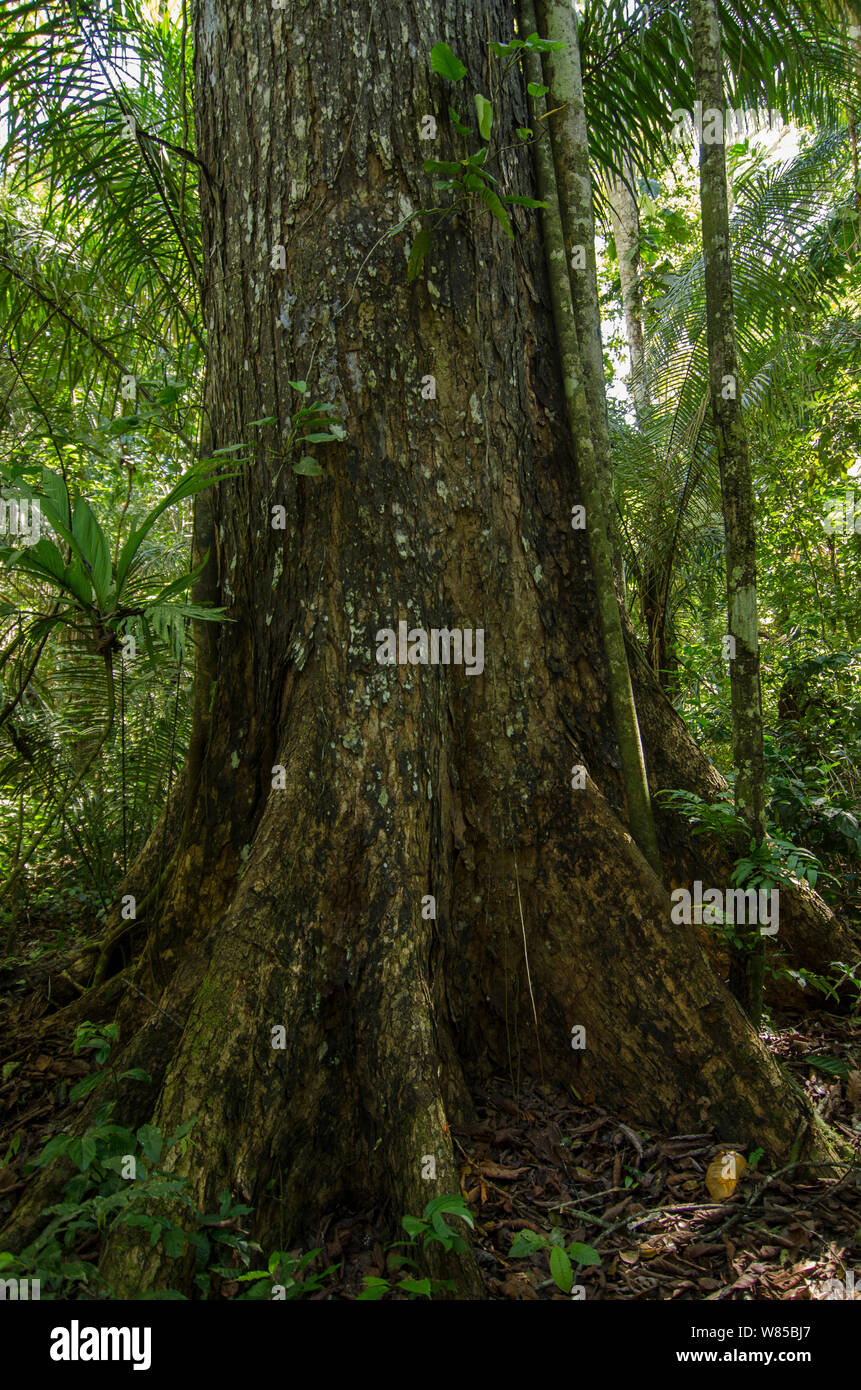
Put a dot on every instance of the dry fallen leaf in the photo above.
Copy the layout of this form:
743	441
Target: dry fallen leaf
723	1174
497	1173
853	1090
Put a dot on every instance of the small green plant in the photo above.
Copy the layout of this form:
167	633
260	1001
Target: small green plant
423	1231
774	862
123	1180
562	1257
283	1279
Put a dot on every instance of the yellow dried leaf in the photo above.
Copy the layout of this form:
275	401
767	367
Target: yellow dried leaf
723	1174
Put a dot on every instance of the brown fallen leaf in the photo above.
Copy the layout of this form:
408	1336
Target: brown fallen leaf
497	1173
853	1090
723	1173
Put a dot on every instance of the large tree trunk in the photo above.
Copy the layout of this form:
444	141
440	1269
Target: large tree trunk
303	907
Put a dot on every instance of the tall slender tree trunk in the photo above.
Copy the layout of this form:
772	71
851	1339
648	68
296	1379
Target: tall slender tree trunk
625	220
390	861
595	482
748	965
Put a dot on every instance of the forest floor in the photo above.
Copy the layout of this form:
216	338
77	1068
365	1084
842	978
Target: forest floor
640	1199
544	1161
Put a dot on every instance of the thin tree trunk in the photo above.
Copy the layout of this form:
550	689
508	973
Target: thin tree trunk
748	964
581	423
557	19
625	218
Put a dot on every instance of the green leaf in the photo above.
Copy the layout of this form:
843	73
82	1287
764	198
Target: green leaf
174	1242
125	424
87	1084
266	420
524	132
94	548
325	436
537	89
300	386
834	1066
502	50
526	1243
583	1254
457	122
484	109
150	1140
488	196
443	61
560	1268
374	1289
413	1225
308	467
543	45
418	251
443	166
417	1286
523	202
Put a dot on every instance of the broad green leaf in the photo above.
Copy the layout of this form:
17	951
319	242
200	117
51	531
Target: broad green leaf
536	89
560	1268
488	196
150	1140
373	1290
443	61
199	477
337	432
522	202
174	1242
417	1286
307	467
124	424
443	166
526	1243
94	548
484	110
412	1225
583	1254
87	1084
